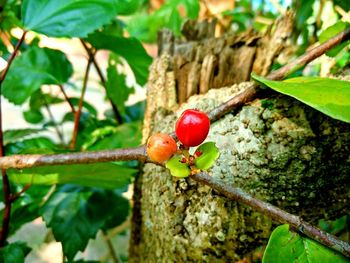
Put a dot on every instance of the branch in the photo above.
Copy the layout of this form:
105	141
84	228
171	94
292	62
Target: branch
116	112
67	99
273	212
5	227
32	160
80	106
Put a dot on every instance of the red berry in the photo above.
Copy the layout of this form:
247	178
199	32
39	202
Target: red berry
160	147
192	127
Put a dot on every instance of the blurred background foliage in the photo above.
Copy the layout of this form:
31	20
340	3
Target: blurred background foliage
79	202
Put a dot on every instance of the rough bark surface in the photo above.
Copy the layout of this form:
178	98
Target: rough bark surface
276	148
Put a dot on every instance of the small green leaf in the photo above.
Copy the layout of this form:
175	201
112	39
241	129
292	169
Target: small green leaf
67	18
14	135
33	116
104	175
331	32
15	252
330	96
285	246
130	49
35	67
208	157
177	168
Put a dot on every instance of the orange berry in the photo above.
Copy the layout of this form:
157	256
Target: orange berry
160	147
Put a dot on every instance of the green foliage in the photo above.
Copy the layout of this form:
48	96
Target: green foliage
14	253
209	154
330	96
35	67
177	168
286	246
116	87
145	27
138	59
11	136
331	32
67	18
104	175
76	214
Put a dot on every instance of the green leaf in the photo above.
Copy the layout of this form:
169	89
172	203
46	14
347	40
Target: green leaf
285	246
127	7
121	208
116	87
14	253
86	105
67	18
208	157
35	67
123	136
76	214
35	145
104	175
33	116
331	32
14	135
130	49
330	96
177	168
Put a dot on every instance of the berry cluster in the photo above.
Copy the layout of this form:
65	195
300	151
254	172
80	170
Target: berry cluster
191	129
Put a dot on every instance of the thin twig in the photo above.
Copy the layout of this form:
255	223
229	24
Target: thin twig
116	112
112	252
21	161
48	109
15	196
276	214
80	106
5	227
67	98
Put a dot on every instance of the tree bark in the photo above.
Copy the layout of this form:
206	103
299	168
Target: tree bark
276	148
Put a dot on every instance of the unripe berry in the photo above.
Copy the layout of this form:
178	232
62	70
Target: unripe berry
160	147
192	127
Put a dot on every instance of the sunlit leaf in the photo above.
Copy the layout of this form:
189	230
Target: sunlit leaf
15	135
331	32
67	18
288	247
35	67
177	168
330	96
209	154
104	175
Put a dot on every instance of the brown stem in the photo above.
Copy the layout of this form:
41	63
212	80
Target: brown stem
67	98
5	227
116	112
276	214
52	118
80	106
112	252
21	161
15	196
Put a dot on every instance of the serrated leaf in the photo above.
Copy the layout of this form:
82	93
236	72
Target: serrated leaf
15	252
331	32
330	96
116	87
208	157
76	214
285	246
104	175
14	135
35	67
67	18
130	49
177	168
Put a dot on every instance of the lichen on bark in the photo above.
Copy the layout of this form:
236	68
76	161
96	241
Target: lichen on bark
275	148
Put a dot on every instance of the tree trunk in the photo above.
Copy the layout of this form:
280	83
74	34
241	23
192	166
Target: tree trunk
276	148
